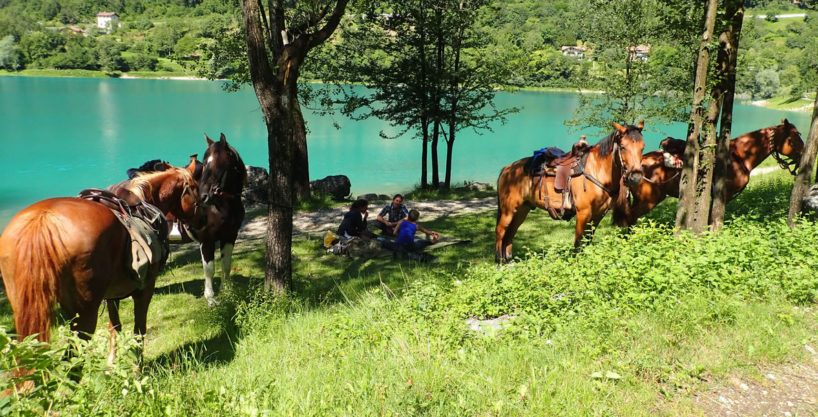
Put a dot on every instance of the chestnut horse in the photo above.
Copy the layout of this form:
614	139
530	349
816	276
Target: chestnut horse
746	152
223	177
77	252
609	163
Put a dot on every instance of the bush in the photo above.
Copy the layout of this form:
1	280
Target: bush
70	374
142	62
10	56
649	269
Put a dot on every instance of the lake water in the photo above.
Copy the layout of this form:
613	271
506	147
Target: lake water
61	135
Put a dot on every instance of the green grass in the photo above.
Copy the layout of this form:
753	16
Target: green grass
663	317
790	103
50	72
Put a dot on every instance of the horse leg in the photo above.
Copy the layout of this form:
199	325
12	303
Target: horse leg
511	230
504	219
114	326
208	254
226	260
582	230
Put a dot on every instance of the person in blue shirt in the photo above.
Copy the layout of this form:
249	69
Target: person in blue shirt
406	230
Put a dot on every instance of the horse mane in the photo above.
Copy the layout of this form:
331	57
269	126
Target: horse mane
241	167
142	184
606	145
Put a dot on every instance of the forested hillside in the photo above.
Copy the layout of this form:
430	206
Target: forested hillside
177	37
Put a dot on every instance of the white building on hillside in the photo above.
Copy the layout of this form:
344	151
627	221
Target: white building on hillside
107	21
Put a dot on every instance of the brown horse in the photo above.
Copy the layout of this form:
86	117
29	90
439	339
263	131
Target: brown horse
223	177
614	160
746	152
76	252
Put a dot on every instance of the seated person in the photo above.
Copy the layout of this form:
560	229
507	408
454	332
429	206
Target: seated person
354	223
406	229
394	212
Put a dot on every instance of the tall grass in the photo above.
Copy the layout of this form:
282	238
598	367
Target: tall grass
635	324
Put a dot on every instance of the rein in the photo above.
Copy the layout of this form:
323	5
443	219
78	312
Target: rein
646	179
784	164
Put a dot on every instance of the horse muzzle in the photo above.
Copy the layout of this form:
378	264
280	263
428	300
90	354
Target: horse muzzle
634	178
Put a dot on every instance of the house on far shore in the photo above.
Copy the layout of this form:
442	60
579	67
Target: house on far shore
107	21
574	51
639	52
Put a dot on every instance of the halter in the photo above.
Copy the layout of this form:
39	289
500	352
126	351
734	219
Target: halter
779	158
197	204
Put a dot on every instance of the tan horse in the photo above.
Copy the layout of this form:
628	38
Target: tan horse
616	159
76	252
746	152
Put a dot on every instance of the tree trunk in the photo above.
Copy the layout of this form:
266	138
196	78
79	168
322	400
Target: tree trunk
424	103
449	146
454	85
272	99
276	91
805	168
689	179
424	161
437	115
301	168
278	260
729	44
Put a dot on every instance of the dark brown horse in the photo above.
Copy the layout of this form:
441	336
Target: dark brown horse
616	159
77	252
746	152
223	177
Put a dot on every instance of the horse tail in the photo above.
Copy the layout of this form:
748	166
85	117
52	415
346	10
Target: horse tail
41	257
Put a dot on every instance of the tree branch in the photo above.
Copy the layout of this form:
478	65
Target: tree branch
332	22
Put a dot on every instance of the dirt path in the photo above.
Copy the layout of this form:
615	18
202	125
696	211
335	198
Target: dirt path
320	221
784	390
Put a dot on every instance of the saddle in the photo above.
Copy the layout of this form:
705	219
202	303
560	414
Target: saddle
554	162
147	227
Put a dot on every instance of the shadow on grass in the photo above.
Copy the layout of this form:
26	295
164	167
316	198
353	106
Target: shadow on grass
217	350
196	287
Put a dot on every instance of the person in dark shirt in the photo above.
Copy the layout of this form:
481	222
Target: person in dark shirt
354	223
391	214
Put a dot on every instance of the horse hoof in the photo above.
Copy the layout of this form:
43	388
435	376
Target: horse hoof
211	302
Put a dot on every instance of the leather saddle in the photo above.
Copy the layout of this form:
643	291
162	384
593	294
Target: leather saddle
554	162
147	227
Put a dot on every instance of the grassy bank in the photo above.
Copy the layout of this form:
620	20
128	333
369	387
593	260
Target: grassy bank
639	323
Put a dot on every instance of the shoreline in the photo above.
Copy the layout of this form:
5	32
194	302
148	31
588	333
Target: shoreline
807	107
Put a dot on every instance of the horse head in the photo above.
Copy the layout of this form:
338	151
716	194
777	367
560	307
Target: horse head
786	140
174	191
223	172
631	145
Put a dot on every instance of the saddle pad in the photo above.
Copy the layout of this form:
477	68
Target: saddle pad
146	249
672	161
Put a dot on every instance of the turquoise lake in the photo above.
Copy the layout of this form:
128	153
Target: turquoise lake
61	135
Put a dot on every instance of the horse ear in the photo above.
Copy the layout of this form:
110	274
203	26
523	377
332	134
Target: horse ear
641	125
223	139
191	167
619	127
209	141
784	121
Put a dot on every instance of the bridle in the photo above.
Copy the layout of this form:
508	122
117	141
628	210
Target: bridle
197	205
218	189
784	164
